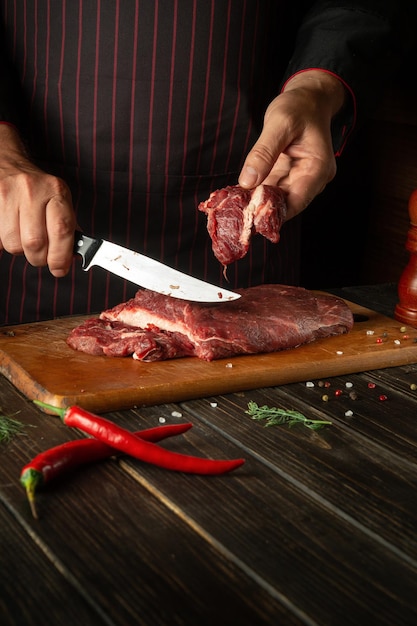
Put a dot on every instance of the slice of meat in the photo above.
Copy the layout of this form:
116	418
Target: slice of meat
266	318
112	338
234	214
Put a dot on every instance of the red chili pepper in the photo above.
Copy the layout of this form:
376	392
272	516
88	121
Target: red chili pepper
50	464
125	441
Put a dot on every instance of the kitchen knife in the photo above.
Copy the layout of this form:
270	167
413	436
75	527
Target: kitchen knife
146	272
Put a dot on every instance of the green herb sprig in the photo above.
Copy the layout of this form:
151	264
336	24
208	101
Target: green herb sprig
9	427
277	417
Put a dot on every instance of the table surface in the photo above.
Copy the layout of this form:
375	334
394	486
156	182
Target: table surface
318	527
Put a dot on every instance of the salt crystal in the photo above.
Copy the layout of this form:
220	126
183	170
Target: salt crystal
309	384
176	414
349	385
349	413
229	364
162	420
397	342
370	332
213	404
339	352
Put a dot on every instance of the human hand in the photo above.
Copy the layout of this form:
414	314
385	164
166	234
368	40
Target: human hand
294	149
36	214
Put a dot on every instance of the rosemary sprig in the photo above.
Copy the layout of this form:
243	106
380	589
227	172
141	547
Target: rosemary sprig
9	427
277	417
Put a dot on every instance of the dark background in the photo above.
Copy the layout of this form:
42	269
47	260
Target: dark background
354	233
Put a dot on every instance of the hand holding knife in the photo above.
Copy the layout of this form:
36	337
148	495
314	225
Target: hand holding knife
146	272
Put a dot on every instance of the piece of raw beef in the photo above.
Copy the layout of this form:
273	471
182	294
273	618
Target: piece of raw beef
267	318
234	214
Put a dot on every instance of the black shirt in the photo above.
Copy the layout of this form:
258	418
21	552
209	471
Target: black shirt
145	106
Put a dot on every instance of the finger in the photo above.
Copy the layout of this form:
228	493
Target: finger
33	237
259	162
301	192
60	224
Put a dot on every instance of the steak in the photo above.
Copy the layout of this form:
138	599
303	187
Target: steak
266	318
234	214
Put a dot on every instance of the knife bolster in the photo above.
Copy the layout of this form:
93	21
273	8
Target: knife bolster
86	247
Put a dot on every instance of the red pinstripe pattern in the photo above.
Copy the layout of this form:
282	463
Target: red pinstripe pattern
222	91
145	108
169	122
148	166
77	82
132	114
60	76
186	128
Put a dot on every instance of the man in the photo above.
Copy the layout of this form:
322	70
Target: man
119	117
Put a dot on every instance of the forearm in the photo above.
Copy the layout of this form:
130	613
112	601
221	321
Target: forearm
333	96
329	91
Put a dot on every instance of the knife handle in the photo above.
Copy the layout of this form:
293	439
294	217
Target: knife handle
86	247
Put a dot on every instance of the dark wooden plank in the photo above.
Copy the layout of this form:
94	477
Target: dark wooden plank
360	467
135	559
263	536
290	538
377	407
33	591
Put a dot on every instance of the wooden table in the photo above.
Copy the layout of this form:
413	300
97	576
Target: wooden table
315	528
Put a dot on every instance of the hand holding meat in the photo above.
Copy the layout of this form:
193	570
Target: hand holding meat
36	216
295	148
234	214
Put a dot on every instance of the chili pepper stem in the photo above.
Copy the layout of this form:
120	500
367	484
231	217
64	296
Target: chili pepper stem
30	479
54	409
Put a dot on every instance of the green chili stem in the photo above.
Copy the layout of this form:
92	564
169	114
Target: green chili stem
57	410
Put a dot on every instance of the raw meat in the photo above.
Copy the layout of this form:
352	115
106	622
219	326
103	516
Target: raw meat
97	336
234	214
266	318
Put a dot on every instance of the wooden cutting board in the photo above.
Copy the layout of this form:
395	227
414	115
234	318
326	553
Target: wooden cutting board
36	359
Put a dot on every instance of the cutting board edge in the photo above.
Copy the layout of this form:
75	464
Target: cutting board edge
108	402
272	372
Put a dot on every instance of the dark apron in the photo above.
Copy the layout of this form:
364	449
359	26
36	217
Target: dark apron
144	108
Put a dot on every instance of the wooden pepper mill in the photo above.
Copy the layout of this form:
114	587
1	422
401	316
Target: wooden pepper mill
406	309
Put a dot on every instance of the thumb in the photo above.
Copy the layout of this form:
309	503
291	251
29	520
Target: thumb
262	158
257	165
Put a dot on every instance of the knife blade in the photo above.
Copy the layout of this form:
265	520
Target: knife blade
146	272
